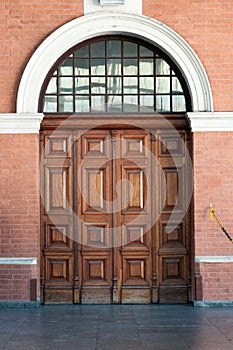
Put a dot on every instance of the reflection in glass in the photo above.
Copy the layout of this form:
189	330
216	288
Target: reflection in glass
98	66
143	51
83	52
114	103
114	48
98	85
98	103
65	103
65	85
176	86
82	85
146	103
163	103
146	66
130	49
130	67
114	66
162	68
81	66
130	85
163	85
146	85
114	85
130	103
82	104
50	104
66	68
52	87
178	103
98	49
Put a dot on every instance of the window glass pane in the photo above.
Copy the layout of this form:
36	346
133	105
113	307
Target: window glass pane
52	87
130	85
176	86
82	104
81	66
146	66
98	103
143	51
50	104
114	66
97	85
83	52
147	103
66	68
65	103
114	48
178	103
130	67
163	85
114	103
146	85
98	66
130	103
65	85
82	85
162	68
163	103
98	49
130	49
114	85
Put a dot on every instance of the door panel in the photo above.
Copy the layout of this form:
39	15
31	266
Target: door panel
107	231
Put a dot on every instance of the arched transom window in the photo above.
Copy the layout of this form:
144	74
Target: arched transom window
114	75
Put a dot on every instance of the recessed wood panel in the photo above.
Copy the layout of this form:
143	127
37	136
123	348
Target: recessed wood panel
171	145
94	189
136	269
95	146
94	269
58	146
134	145
96	234
134	189
133	234
172	234
58	269
173	270
57	189
57	236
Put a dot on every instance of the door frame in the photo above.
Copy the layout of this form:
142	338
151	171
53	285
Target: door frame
149	122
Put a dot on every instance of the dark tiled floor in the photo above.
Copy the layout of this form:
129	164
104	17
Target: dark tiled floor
117	327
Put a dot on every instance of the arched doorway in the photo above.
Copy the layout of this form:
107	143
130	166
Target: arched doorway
115	167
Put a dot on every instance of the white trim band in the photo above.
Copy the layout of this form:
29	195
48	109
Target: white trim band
19	123
211	121
103	23
18	261
214	259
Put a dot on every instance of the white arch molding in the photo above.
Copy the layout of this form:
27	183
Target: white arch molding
96	24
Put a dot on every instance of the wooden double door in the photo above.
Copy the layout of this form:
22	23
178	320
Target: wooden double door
107	200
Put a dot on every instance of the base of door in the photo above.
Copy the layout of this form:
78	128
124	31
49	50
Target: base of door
173	295
96	295
135	295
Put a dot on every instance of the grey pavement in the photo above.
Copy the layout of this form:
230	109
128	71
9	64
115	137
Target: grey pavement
113	327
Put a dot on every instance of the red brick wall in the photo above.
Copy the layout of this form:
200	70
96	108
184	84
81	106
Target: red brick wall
213	179
15	282
19	211
217	281
205	25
